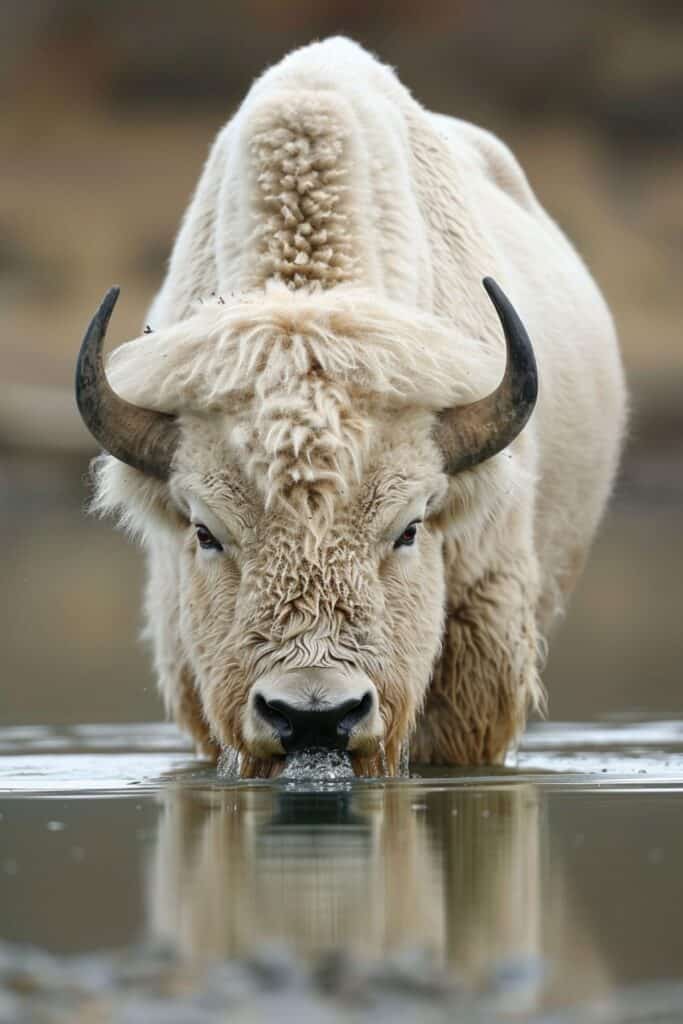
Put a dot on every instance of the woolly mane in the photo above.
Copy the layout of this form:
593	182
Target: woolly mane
299	164
301	375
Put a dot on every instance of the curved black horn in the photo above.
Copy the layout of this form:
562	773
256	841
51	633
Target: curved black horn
141	438
470	434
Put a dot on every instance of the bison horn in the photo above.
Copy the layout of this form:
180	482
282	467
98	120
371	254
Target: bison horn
141	438
473	433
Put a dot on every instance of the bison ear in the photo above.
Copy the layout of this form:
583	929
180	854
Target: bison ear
470	434
142	438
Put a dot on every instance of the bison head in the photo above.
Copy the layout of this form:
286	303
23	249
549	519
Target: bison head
287	462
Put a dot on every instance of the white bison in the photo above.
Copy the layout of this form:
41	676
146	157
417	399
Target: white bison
352	541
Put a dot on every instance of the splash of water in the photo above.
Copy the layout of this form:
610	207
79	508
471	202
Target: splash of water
318	765
228	766
404	760
383	758
315	763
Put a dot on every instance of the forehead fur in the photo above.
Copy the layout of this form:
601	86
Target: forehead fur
304	377
232	349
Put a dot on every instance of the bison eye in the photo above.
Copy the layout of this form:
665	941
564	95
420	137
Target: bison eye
206	539
407	538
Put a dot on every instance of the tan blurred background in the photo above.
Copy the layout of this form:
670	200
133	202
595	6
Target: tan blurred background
106	113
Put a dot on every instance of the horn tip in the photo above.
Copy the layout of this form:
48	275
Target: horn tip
492	287
107	306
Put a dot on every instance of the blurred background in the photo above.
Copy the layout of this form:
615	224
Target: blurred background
107	111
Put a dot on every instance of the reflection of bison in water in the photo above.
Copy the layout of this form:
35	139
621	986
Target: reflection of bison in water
320	870
468	877
351	538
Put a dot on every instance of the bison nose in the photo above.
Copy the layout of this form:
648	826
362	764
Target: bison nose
300	727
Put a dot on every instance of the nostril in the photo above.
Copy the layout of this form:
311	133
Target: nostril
355	715
275	718
298	727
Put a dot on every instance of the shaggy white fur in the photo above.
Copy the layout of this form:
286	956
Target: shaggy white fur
323	301
296	374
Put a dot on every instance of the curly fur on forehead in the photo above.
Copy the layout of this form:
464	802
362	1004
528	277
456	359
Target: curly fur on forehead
304	375
231	349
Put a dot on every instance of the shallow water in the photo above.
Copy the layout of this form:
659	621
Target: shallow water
548	887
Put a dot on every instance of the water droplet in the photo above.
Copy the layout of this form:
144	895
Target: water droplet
228	766
383	758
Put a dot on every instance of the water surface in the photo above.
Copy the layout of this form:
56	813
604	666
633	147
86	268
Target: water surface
551	886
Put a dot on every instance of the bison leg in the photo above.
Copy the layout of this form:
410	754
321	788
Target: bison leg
487	675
